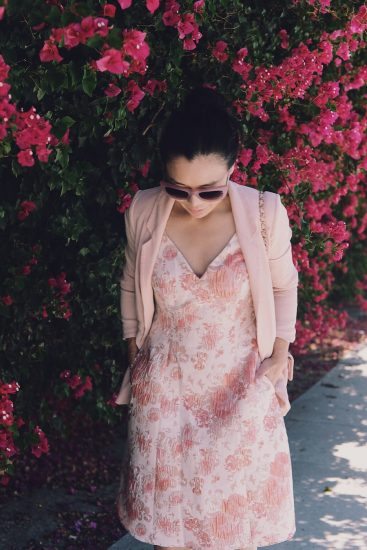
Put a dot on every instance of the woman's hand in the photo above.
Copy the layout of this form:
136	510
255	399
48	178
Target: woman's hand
273	367
132	350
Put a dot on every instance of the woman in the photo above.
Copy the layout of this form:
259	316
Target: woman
208	313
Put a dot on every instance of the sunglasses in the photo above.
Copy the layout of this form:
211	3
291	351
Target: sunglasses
209	194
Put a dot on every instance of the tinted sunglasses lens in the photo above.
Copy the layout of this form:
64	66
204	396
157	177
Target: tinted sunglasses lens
177	193
211	195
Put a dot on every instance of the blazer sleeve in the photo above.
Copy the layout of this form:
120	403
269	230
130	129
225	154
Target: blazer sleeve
127	279
284	274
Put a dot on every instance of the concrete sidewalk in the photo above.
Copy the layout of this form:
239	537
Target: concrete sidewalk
327	430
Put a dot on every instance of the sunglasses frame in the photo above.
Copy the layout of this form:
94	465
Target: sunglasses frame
190	192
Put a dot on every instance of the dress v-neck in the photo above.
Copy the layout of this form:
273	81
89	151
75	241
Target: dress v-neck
214	259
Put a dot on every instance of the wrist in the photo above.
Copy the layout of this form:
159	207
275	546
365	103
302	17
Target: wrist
280	348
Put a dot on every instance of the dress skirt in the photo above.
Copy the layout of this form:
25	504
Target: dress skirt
207	462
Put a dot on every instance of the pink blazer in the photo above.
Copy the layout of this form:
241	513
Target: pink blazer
273	277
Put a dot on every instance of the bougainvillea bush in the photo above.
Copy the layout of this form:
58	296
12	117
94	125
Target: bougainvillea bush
84	88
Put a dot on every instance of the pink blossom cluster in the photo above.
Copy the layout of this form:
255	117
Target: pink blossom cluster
30	131
131	58
318	320
26	208
72	35
76	383
321	5
33	131
7	421
188	29
42	446
26	269
7	110
61	287
336	124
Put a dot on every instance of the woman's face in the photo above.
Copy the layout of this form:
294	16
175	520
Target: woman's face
200	172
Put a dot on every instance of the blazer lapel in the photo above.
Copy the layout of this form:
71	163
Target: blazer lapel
155	226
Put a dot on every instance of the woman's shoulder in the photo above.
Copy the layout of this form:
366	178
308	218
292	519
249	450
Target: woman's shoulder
253	191
251	196
143	197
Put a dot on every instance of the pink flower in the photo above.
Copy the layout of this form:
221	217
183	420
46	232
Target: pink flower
284	39
189	44
25	158
42	446
74	381
83	387
153	84
239	65
112	90
186	25
26	269
109	10
60	283
199	6
170	18
219	51
72	35
145	168
124	4
7	300
326	54
112	61
26	208
43	153
50	52
359	22
343	51
134	44
136	95
245	156
10	387
126	199
152	5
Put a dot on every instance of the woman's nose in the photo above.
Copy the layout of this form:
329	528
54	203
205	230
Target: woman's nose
195	201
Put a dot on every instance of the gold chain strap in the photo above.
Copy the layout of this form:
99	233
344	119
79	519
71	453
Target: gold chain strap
262	219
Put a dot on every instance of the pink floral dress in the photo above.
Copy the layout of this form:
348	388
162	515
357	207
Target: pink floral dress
208	463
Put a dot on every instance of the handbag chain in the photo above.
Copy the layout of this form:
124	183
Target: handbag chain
262	219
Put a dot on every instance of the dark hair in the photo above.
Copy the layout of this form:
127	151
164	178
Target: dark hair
203	125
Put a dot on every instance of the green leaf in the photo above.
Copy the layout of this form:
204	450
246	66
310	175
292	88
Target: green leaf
40	93
62	156
89	81
61	125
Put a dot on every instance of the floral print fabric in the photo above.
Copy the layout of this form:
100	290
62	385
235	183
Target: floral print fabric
207	463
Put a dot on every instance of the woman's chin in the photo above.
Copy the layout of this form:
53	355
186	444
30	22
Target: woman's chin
197	213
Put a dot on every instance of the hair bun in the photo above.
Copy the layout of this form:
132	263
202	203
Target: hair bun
202	98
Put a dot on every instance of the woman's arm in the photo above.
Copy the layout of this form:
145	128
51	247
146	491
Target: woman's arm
284	278
127	280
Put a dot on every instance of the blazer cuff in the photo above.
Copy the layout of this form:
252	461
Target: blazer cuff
130	329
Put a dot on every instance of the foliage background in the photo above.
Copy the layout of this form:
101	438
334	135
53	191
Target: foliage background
84	88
